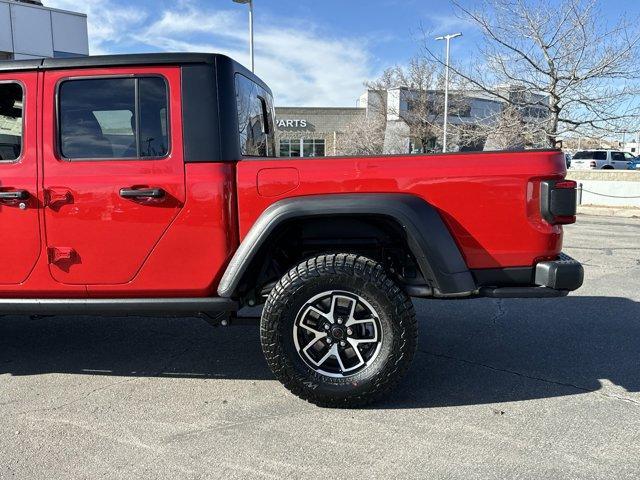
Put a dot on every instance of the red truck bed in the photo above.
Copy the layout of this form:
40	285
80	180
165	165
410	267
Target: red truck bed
489	201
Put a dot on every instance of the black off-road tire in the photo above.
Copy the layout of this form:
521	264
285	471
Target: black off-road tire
357	275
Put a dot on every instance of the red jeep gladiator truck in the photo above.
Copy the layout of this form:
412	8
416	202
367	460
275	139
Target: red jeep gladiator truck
148	185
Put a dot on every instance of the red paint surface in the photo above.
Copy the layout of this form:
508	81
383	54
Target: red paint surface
111	235
20	243
490	201
178	246
273	182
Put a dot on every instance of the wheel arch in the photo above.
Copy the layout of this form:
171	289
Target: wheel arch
427	237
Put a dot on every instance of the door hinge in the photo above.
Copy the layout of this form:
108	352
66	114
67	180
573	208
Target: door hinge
62	254
56	197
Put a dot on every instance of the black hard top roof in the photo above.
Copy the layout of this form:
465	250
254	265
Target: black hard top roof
126	60
110	61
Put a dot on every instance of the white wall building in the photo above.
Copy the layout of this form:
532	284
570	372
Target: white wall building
30	30
476	107
632	146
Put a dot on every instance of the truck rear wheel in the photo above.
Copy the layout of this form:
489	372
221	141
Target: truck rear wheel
337	331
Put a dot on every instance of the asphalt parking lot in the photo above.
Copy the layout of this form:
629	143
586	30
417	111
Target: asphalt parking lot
499	389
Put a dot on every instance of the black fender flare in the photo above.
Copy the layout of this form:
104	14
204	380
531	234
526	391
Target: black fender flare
429	239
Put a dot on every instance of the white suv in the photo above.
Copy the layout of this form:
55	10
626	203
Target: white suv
601	159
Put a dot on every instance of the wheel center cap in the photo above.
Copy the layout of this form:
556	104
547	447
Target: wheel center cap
337	332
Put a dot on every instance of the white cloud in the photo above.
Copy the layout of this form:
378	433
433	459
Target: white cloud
302	64
107	23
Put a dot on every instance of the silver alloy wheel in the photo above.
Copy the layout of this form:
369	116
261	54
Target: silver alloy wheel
337	333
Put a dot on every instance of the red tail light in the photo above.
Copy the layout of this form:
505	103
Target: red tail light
558	201
565	184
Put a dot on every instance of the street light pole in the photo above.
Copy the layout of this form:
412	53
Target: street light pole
447	38
250	3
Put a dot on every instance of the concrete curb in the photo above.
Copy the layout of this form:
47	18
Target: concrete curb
626	212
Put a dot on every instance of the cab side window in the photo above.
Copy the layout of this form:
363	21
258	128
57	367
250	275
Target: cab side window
113	118
255	119
11	104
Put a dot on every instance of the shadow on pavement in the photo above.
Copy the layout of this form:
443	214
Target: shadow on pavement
470	352
489	351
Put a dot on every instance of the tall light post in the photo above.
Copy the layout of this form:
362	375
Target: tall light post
250	2
447	38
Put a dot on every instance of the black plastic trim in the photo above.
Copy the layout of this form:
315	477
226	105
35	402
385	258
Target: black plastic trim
136	78
20	65
142	193
565	273
556	202
503	277
522	292
127	60
551	278
228	109
432	245
200	121
116	306
14	195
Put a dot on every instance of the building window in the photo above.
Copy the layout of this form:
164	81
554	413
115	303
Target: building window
314	148
255	119
10	121
114	118
302	147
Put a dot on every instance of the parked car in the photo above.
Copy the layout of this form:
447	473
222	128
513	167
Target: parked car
601	159
149	185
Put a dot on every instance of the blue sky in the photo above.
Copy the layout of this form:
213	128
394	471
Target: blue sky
311	52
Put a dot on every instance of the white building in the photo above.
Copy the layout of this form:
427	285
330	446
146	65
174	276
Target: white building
30	30
632	146
469	107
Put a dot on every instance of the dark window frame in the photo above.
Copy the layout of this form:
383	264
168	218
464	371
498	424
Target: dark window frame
599	155
23	87
58	130
268	116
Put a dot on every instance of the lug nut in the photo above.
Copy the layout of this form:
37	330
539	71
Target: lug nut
326	326
349	331
343	343
340	321
329	340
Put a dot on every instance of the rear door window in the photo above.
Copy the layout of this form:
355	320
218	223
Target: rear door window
11	125
594	155
255	119
114	118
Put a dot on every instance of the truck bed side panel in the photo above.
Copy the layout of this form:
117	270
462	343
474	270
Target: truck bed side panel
489	201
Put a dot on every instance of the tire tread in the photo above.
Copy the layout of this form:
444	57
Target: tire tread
351	265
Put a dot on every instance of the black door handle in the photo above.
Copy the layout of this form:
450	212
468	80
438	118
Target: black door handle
141	193
14	195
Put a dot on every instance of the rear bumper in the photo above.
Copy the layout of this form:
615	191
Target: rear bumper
552	278
564	273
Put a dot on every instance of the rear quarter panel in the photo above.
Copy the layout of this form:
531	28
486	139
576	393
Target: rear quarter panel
489	201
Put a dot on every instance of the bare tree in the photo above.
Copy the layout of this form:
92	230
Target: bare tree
558	63
405	103
364	136
508	132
